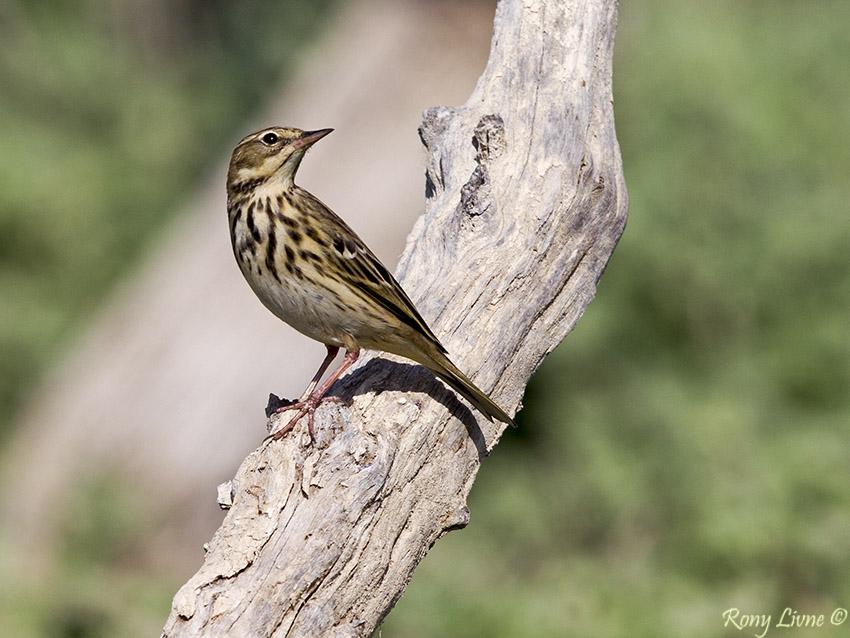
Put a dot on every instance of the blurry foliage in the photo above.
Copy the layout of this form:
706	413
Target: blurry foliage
109	111
98	588
685	450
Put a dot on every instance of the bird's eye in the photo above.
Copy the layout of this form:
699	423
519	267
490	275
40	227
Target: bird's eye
270	139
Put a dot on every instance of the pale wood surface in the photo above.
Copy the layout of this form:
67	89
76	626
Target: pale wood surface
526	201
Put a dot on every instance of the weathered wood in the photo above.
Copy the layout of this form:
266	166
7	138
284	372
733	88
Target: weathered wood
525	201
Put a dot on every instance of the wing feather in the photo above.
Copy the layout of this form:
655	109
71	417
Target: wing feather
364	272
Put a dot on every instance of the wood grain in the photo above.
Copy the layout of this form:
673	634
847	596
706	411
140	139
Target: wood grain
525	204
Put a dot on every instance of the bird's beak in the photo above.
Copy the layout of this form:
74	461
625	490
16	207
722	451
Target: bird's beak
308	138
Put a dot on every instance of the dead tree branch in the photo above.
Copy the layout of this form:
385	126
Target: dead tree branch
525	201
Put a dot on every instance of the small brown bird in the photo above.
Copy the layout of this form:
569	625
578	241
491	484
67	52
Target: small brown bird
311	270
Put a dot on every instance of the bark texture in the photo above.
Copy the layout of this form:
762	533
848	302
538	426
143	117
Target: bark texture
525	201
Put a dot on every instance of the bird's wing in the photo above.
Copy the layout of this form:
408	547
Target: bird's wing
365	273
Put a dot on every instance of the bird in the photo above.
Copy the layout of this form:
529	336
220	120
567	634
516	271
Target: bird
310	269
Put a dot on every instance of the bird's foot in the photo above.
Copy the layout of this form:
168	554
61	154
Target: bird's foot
304	407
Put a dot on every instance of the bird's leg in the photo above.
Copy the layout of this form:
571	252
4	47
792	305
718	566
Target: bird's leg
319	395
312	397
350	357
299	404
332	351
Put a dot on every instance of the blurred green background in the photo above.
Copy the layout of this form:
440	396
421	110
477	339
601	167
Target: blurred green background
686	450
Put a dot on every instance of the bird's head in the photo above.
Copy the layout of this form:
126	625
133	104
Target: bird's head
271	154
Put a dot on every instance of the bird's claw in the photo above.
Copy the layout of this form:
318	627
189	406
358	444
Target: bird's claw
306	407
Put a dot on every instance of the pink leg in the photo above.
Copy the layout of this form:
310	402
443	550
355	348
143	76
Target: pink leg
313	397
332	350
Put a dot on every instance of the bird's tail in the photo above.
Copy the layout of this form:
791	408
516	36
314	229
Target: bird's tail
440	365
